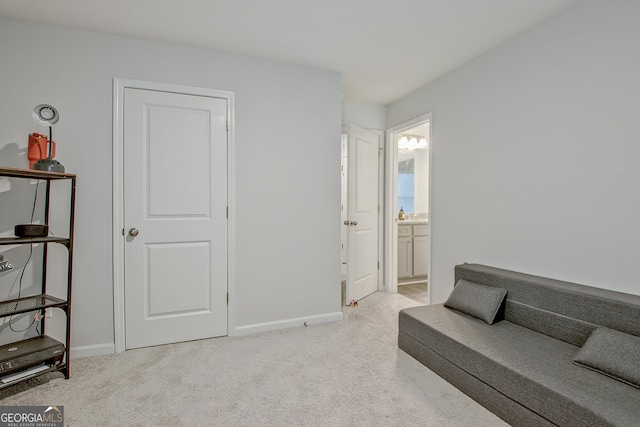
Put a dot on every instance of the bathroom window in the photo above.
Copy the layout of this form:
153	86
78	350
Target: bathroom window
406	178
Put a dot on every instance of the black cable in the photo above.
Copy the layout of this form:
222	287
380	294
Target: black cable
21	330
33	211
20	294
22	272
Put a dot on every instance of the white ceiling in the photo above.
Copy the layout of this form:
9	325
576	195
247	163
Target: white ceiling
383	48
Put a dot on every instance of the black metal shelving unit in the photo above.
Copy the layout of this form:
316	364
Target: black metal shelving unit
43	300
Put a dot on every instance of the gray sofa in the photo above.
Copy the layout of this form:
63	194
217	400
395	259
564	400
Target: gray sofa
522	366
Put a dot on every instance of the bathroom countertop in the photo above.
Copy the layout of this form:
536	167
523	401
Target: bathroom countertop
412	221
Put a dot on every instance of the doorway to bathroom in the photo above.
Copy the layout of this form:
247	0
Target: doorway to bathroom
407	211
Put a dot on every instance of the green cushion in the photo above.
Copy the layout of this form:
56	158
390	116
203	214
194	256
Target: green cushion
612	353
476	300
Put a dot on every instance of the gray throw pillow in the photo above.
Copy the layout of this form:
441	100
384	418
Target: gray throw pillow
612	353
476	300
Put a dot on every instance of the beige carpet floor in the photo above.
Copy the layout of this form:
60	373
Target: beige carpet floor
347	373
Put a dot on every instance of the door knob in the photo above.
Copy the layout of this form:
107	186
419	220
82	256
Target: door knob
354	223
346	223
133	232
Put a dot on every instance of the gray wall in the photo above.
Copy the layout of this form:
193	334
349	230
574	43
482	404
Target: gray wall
367	116
535	152
288	122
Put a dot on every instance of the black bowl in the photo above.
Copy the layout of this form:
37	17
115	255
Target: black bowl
31	230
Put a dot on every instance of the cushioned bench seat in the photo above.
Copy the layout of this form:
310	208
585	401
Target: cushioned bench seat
530	368
537	351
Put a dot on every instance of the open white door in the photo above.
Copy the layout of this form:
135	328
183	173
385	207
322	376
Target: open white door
362	213
175	221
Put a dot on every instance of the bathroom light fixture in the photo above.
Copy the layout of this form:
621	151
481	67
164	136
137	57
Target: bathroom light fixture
411	142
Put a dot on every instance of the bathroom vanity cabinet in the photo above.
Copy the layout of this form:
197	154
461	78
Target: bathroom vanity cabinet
413	253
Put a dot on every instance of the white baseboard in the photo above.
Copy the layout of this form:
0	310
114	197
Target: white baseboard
106	349
287	323
92	350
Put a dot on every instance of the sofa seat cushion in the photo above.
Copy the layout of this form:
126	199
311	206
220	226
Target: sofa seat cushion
530	368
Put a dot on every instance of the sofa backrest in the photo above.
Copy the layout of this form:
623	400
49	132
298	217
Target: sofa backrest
563	310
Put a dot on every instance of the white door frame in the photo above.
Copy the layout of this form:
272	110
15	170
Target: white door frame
119	85
391	193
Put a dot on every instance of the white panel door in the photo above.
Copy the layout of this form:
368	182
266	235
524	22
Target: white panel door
175	201
362	213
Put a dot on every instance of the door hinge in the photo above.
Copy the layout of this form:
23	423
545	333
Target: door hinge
227	298
227	125
227	211
378	265
123	231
